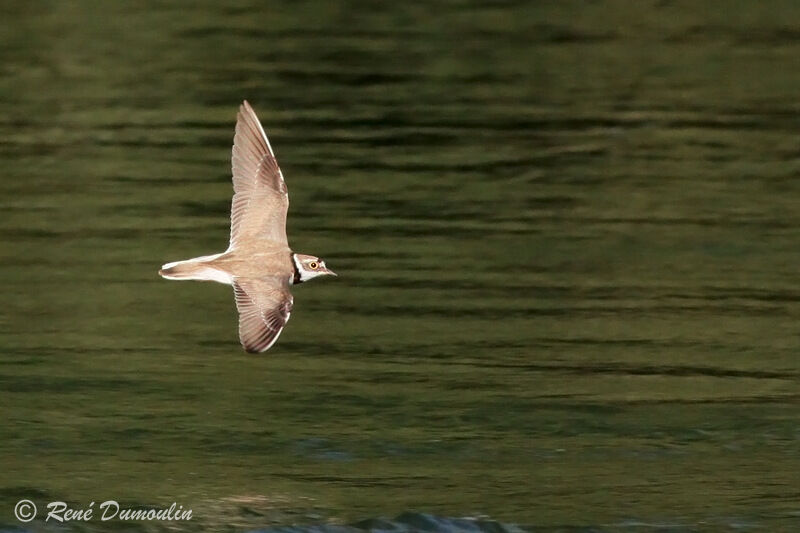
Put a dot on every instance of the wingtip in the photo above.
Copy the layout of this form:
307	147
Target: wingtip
256	349
246	110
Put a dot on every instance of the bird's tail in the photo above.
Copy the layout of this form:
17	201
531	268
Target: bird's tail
189	269
199	268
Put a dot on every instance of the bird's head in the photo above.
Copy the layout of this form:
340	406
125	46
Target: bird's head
307	267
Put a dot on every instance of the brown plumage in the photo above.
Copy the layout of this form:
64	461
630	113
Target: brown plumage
258	262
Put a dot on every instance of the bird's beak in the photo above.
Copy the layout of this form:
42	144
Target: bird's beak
331	272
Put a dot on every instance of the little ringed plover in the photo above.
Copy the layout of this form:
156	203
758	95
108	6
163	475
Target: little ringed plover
258	263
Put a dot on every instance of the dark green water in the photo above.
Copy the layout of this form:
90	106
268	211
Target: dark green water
568	241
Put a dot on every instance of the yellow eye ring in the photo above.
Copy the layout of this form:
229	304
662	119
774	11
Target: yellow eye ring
313	265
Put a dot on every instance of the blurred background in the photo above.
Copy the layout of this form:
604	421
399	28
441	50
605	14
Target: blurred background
567	239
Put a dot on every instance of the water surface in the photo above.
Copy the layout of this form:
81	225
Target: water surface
567	238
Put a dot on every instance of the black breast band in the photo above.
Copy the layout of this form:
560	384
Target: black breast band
296	279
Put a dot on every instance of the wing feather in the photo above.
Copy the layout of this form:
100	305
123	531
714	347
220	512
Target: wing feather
264	308
261	199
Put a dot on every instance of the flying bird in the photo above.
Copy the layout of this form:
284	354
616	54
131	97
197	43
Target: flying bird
258	263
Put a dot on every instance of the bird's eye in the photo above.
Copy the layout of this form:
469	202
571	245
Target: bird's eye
313	265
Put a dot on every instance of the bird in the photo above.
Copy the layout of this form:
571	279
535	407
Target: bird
259	263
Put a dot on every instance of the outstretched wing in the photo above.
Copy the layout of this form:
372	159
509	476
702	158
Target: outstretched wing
264	308
260	199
